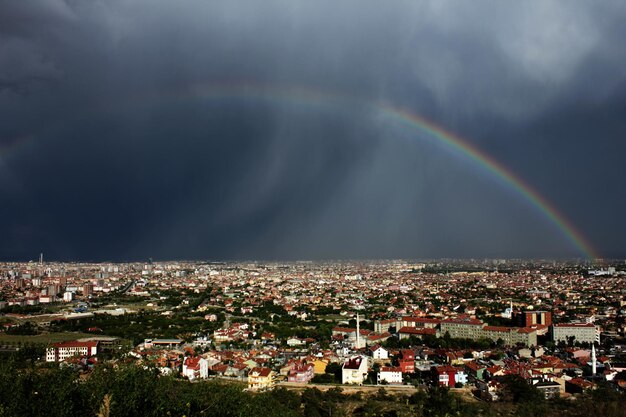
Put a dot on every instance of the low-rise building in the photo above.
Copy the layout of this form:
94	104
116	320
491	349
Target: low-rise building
406	361
195	367
162	343
261	379
59	352
301	373
379	352
390	375
475	369
448	376
549	389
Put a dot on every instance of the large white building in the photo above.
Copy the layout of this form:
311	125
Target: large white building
581	332
476	329
59	352
354	370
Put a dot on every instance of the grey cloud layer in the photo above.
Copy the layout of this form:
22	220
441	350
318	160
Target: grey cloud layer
540	85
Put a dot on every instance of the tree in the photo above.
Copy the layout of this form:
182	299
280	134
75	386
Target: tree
518	390
316	405
570	340
334	369
288	398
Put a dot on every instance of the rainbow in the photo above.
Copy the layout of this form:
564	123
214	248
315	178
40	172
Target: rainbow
303	96
498	170
309	97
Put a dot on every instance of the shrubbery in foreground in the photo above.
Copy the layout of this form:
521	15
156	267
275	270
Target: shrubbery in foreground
129	390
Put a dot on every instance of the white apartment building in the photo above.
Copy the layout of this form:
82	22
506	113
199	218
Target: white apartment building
582	332
59	352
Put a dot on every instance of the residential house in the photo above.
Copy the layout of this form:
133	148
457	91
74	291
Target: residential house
448	376
406	361
379	352
475	369
354	370
577	385
195	367
549	389
261	379
295	341
390	375
301	373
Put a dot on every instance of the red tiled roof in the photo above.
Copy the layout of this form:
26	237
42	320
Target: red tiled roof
373	336
474	366
391	369
421	320
527	330
353	363
497	329
343	330
445	369
75	343
263	372
474	322
192	362
416	330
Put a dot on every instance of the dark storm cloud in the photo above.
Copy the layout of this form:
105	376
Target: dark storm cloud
108	151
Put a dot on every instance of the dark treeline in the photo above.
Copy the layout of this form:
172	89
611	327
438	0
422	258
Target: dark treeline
126	390
130	390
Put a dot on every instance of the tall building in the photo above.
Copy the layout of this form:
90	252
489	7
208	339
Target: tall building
54	289
529	318
87	289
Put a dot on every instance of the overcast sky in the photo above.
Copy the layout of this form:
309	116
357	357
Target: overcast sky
110	150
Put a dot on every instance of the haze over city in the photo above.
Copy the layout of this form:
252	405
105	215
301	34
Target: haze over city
312	130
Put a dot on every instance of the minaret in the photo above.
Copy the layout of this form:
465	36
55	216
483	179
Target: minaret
593	360
358	332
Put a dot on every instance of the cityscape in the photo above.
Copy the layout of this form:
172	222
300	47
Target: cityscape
469	326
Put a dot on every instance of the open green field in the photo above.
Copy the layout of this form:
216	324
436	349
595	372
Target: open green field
334	317
42	338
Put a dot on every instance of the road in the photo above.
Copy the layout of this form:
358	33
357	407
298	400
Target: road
349	388
128	286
